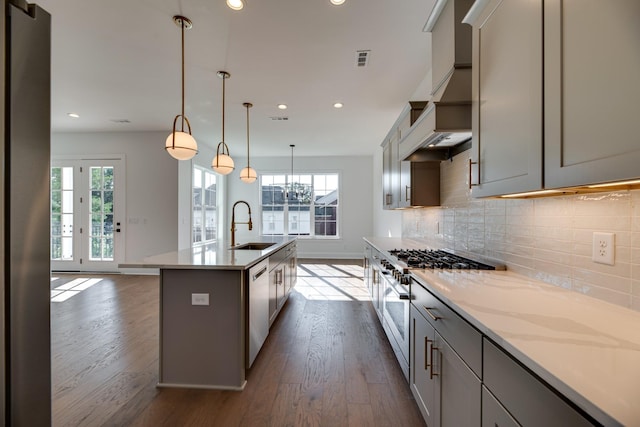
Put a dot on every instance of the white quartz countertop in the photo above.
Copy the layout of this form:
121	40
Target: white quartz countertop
214	256
588	349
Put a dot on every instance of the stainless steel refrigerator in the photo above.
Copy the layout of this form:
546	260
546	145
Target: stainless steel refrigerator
25	371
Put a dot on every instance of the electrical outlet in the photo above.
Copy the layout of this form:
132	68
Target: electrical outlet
603	248
199	299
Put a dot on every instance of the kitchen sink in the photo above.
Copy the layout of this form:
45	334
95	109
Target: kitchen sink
254	246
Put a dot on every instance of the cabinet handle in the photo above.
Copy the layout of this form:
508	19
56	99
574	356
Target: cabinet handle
406	193
433	316
432	374
426	357
471	163
260	273
388	199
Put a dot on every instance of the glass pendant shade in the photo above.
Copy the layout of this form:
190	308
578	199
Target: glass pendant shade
222	163
248	175
181	145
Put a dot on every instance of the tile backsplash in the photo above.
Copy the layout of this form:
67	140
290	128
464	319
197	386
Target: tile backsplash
549	239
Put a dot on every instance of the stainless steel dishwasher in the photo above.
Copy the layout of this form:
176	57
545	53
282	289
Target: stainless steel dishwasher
258	308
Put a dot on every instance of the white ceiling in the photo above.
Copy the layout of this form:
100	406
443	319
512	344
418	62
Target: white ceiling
120	59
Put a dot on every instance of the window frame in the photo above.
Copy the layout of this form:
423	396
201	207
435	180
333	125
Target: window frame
312	205
203	211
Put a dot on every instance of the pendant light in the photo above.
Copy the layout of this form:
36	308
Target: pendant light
248	174
223	163
180	144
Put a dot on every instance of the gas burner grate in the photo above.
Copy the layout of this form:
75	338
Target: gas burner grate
436	258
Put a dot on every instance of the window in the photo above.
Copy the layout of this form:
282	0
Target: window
300	205
205	215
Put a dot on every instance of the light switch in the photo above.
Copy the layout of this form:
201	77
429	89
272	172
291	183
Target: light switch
199	299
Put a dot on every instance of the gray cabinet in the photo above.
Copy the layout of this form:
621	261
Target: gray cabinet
423	383
591	58
419	184
529	401
507	109
281	278
446	363
407	183
493	413
390	173
554	94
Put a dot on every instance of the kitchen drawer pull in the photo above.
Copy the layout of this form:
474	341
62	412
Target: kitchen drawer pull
426	357
433	316
404	296
432	374
259	273
471	163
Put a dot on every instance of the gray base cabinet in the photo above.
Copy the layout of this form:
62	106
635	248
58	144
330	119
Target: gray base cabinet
529	401
493	413
424	386
446	388
282	278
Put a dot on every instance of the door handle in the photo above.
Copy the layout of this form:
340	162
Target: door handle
432	374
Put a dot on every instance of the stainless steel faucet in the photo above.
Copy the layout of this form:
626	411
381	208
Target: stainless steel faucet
233	221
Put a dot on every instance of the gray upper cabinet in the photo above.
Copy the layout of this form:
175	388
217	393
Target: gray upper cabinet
507	98
554	94
407	183
592	60
390	173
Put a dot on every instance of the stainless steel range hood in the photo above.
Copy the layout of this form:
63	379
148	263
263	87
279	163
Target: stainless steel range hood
444	127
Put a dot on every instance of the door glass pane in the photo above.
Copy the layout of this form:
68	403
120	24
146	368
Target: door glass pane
101	216
61	213
204	205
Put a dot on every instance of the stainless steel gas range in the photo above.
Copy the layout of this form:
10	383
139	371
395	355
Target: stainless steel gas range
390	286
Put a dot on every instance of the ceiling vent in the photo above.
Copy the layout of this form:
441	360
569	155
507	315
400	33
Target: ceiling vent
121	121
362	58
279	118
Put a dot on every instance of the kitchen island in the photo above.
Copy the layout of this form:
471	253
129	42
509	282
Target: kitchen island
216	306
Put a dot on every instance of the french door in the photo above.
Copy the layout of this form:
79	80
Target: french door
87	214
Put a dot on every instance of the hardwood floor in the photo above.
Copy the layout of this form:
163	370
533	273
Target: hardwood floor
326	361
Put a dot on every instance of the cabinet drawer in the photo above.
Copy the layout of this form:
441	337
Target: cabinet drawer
461	336
493	413
526	398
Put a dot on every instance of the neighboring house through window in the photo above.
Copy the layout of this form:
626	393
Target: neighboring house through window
300	205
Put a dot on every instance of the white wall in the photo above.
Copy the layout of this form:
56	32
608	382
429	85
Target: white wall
356	198
158	193
151	185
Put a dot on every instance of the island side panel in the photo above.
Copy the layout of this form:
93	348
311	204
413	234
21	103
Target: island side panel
202	345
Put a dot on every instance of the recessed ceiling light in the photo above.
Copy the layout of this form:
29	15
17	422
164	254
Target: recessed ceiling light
282	106
338	105
337	2
235	4
73	115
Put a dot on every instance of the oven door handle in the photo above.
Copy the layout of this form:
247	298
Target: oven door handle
404	296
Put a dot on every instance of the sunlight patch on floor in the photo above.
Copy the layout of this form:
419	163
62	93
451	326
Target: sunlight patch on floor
72	288
328	282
